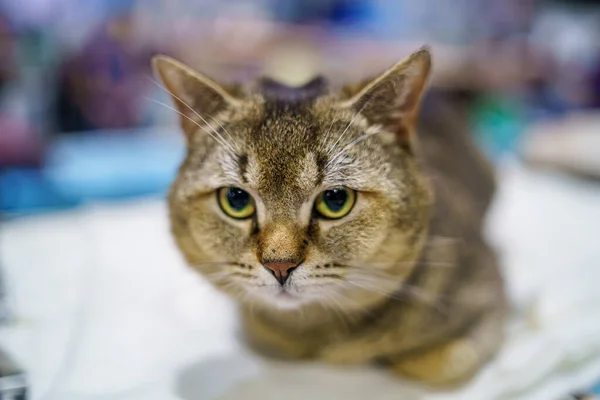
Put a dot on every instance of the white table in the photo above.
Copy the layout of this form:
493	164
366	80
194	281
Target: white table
106	309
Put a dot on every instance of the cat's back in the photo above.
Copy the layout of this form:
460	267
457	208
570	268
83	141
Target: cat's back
459	171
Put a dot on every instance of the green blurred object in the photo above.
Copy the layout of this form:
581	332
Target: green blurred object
498	122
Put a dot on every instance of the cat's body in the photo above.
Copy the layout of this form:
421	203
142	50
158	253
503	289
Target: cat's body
401	277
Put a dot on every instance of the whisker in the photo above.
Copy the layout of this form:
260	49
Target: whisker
194	111
418	292
326	137
448	238
368	287
247	300
362	308
222	127
208	263
336	307
242	274
389	294
347	127
372	268
403	289
444	240
189	107
349	146
219	139
407	290
216	277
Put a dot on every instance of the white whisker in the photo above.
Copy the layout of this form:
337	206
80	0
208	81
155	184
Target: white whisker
347	127
222	127
360	307
336	307
412	291
196	113
369	287
353	143
326	137
226	145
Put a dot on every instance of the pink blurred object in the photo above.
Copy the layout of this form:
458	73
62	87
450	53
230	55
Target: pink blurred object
107	78
19	143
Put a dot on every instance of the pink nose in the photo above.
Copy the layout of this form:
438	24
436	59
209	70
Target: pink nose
281	270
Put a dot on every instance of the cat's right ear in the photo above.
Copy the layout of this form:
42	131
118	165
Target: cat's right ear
197	97
392	99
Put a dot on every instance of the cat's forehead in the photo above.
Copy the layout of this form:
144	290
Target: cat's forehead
285	180
285	150
298	152
293	141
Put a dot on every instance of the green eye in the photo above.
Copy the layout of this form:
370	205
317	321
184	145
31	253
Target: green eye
236	203
335	203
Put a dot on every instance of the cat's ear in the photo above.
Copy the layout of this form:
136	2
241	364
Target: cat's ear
393	98
197	97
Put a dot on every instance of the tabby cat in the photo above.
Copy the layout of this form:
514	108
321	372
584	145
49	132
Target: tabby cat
346	223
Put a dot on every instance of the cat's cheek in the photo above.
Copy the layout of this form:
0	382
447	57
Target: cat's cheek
217	237
357	238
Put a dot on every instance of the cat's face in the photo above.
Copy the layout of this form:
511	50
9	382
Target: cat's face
295	196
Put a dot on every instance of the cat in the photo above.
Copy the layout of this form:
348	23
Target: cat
346	224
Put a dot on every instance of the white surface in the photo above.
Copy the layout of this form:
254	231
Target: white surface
106	309
546	143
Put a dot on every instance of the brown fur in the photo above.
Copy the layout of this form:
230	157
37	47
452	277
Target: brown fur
405	279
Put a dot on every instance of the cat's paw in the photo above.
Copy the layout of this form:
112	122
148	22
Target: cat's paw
445	365
344	354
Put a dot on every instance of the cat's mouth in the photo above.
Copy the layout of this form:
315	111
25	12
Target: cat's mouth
288	296
285	294
285	298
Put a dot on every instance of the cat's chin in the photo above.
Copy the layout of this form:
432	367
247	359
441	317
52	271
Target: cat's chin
283	300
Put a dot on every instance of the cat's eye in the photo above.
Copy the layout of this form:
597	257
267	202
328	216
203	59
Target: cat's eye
335	203
235	202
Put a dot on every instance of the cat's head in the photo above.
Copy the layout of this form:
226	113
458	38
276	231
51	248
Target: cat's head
292	196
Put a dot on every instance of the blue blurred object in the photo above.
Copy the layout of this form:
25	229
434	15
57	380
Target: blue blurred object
24	190
344	12
338	12
120	7
89	167
596	389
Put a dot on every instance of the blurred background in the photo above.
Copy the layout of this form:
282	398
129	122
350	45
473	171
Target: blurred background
77	125
82	124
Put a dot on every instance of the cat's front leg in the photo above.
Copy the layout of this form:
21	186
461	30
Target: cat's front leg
456	360
269	342
354	351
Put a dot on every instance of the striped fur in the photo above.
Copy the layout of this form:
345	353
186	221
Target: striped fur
406	280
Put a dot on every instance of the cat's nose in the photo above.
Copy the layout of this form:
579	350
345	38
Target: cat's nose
281	270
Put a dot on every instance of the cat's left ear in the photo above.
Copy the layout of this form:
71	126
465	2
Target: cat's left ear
196	96
393	98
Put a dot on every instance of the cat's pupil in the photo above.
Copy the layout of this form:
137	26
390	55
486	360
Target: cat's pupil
335	199
238	199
